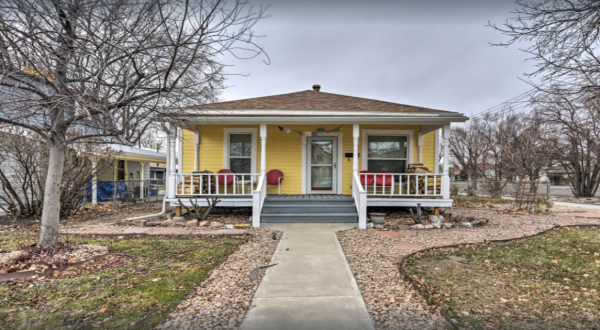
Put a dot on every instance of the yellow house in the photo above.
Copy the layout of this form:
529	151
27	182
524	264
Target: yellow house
310	156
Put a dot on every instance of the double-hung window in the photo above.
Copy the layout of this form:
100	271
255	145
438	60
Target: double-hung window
387	153
240	150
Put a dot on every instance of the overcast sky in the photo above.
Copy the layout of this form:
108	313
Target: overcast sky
431	53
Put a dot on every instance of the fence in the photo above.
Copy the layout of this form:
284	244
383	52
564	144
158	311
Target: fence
118	192
522	190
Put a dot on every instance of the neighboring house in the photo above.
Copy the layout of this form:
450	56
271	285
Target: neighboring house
320	141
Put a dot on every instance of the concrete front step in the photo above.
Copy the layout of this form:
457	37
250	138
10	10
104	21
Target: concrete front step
310	218
303	209
309	210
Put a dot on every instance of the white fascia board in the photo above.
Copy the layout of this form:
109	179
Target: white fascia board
325	113
317	120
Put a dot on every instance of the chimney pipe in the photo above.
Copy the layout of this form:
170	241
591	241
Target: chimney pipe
317	88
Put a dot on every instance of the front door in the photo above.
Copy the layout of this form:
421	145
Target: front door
322	165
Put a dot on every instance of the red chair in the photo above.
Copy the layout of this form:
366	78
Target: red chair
366	179
274	177
225	179
384	180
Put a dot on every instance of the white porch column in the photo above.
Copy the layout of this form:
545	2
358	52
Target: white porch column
445	167
142	177
263	149
196	151
115	169
355	136
171	180
94	181
420	147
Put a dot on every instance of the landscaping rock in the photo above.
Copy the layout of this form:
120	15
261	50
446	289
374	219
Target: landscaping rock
418	226
216	224
229	226
466	224
447	225
369	225
242	225
479	223
153	223
13	257
429	226
179	224
167	223
192	223
139	222
205	223
222	300
178	219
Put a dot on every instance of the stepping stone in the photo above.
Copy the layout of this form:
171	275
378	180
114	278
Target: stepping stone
136	230
97	231
409	246
588	216
435	234
168	231
529	227
446	240
396	234
466	232
516	235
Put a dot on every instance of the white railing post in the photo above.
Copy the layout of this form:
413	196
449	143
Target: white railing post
258	197
362	213
445	168
420	147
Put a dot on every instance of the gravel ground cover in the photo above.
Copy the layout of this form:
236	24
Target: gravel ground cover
374	255
221	302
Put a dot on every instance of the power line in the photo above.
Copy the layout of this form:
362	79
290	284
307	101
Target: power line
519	99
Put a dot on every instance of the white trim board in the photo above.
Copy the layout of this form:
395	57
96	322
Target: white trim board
364	135
340	141
242	130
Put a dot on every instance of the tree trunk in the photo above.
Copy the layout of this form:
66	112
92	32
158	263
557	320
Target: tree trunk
52	190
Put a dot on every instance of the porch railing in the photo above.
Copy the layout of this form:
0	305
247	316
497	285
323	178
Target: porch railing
404	184
258	199
213	184
360	201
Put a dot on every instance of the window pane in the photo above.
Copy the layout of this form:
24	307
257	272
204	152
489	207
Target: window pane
321	178
240	165
321	152
387	146
240	145
394	166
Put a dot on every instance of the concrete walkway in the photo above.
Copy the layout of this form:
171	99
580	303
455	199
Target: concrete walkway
311	287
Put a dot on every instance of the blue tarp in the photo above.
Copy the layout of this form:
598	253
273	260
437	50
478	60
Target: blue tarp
105	190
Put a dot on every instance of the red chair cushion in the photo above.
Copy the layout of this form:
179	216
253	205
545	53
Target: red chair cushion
225	179
366	178
273	177
380	179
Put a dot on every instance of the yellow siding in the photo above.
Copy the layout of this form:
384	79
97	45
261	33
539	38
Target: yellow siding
284	151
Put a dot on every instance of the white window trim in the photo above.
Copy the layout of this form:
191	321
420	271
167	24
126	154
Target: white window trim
340	176
234	130
387	132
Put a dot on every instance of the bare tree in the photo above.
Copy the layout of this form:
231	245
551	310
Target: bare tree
573	126
22	178
154	137
563	38
75	71
467	149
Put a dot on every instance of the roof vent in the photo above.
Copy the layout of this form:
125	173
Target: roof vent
317	88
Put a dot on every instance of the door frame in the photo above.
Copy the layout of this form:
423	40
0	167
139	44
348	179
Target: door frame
339	167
